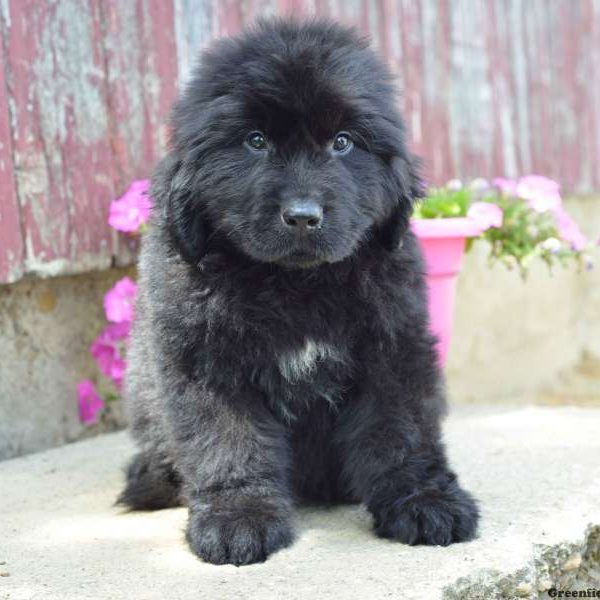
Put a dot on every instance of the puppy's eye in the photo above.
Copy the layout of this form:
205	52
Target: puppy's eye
342	143
256	140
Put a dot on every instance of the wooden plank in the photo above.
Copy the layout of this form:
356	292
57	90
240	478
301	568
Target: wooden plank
194	29
91	85
62	158
577	85
434	141
229	17
160	71
140	63
498	47
12	251
141	66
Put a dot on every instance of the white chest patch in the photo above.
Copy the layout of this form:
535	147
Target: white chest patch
299	364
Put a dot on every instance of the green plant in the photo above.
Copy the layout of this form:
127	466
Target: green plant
521	219
444	202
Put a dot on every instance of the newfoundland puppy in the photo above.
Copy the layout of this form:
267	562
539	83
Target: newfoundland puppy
281	351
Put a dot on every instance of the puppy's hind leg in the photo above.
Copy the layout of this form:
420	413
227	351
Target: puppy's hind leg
152	483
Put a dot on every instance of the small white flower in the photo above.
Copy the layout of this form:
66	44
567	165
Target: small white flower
454	185
551	245
479	185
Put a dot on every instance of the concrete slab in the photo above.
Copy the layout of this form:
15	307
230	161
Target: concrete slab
536	472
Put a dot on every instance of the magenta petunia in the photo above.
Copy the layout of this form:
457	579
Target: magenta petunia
119	301
106	353
132	209
568	229
90	403
485	214
542	194
507	186
117	371
117	332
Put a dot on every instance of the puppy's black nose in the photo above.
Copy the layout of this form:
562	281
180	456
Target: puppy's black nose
303	215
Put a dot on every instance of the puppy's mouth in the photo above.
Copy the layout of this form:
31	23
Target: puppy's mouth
301	260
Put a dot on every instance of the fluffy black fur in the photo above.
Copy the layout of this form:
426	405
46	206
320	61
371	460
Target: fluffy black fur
272	364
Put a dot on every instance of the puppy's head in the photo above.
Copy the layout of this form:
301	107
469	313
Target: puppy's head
287	145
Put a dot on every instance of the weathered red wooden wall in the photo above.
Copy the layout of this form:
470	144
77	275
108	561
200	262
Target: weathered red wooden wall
488	87
496	87
86	86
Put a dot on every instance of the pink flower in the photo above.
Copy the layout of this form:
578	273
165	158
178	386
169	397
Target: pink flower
485	214
106	353
90	403
116	332
117	371
542	194
119	301
507	186
132	209
569	230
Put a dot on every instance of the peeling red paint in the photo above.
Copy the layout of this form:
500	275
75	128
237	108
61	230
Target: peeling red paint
487	88
11	239
532	105
90	87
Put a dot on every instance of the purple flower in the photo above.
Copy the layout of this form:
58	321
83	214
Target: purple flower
507	186
90	403
541	193
119	301
485	214
132	209
568	229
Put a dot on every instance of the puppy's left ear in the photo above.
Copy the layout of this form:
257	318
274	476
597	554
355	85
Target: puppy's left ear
407	188
180	207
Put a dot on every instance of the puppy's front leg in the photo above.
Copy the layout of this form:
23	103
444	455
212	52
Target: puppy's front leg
393	457
233	458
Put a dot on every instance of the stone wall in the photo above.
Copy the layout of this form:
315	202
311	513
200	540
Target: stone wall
534	338
46	327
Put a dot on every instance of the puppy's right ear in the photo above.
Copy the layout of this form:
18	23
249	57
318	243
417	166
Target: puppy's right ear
406	189
173	193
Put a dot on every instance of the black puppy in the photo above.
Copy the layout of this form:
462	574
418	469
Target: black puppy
281	349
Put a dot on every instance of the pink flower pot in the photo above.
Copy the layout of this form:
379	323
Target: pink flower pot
443	245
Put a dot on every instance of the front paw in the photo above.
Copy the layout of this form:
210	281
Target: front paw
432	516
239	536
